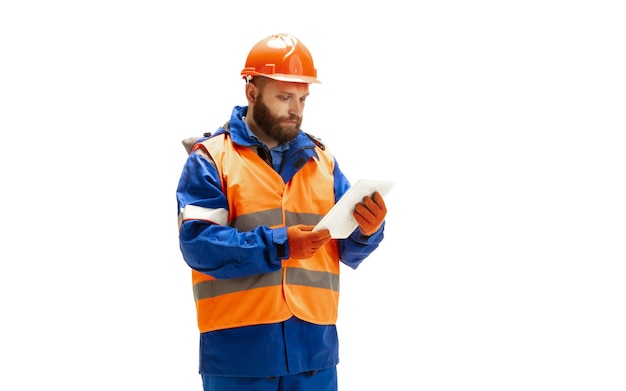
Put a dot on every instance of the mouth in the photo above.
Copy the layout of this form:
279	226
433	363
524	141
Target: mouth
291	122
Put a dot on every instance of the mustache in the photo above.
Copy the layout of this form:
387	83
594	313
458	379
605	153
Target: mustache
293	117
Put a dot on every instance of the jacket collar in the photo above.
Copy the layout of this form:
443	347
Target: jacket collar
239	132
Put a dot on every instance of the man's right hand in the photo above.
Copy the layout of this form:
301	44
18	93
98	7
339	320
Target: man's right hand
303	242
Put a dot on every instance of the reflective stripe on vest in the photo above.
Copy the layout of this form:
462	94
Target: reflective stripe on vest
295	276
257	195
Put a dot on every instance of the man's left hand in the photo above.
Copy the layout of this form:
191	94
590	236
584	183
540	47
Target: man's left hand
370	214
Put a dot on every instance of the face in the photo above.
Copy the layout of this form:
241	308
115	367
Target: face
278	109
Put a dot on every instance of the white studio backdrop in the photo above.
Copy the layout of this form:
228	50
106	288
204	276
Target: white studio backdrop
503	123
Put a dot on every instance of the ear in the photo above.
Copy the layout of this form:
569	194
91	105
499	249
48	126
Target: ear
252	93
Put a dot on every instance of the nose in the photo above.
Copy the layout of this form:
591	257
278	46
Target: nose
296	107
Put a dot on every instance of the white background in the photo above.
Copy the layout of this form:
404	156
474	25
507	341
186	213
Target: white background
503	263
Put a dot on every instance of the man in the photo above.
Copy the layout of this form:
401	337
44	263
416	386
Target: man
266	285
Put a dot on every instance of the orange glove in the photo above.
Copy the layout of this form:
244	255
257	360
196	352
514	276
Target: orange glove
370	213
303	242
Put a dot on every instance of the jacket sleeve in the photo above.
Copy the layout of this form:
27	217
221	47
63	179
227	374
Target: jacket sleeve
356	247
207	243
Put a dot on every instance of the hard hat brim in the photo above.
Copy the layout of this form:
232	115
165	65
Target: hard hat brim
283	77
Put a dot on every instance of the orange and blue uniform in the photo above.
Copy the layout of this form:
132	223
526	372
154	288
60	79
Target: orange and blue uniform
260	312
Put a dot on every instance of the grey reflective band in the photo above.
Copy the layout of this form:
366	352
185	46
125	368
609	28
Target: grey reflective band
314	279
292	218
249	221
273	218
213	288
193	212
295	276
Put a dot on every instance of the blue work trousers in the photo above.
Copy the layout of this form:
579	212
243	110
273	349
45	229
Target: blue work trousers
322	380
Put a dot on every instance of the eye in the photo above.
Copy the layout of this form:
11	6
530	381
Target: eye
284	98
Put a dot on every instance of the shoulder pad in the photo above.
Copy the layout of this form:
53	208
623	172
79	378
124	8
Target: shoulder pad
224	129
317	141
189	142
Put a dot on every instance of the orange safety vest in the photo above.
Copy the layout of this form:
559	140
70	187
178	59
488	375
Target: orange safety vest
257	195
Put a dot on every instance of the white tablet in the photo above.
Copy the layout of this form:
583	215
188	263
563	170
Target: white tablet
339	220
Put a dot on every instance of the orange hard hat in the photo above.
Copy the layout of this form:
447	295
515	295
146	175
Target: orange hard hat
281	57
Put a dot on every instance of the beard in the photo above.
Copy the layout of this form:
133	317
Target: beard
270	124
